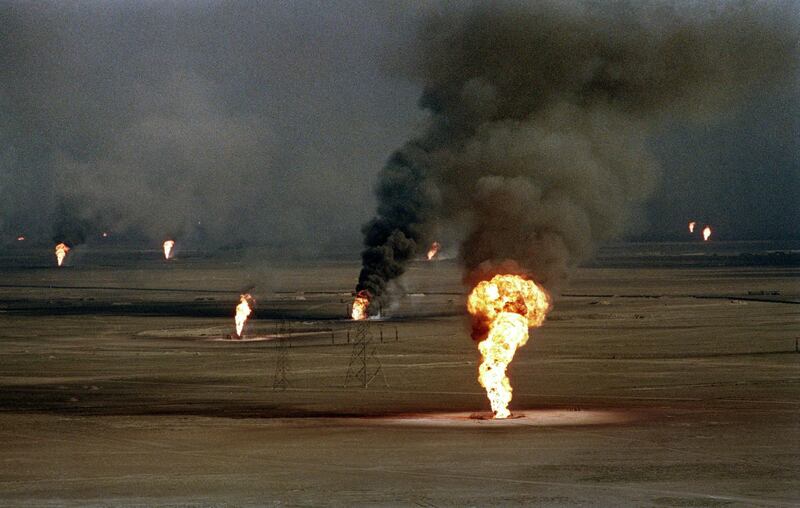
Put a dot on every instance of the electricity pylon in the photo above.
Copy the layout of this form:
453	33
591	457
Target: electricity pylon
364	364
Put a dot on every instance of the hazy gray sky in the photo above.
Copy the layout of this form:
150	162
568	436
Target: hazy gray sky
268	122
740	173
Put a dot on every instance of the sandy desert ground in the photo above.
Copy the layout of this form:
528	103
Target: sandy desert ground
652	383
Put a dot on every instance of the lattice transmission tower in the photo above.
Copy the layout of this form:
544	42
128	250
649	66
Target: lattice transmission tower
364	366
281	379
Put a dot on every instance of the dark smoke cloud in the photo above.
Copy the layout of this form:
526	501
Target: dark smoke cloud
226	122
538	139
262	123
403	222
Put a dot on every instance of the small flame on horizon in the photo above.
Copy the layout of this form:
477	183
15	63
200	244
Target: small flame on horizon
360	305
433	251
508	305
61	253
706	233
243	311
692	224
168	244
104	234
21	238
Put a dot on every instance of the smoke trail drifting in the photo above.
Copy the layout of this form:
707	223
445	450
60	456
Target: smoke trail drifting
539	121
402	223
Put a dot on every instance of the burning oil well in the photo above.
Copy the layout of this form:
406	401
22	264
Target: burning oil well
536	146
243	311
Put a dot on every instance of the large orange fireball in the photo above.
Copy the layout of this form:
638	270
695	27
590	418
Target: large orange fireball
243	311
507	305
360	305
168	244
61	253
433	250
706	233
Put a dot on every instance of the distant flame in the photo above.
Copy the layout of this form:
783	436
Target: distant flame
105	234
21	238
508	305
706	233
61	253
168	244
360	305
691	226
243	311
433	250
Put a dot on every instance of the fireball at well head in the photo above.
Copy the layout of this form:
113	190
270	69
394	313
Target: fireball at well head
360	305
503	309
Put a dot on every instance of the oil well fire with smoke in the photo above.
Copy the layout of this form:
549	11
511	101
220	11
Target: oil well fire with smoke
360	308
537	147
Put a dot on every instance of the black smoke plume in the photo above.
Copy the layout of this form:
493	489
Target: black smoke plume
402	223
539	122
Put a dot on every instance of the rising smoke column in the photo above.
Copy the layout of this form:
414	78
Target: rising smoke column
69	225
539	121
402	224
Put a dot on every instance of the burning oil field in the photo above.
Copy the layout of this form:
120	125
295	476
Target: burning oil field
421	254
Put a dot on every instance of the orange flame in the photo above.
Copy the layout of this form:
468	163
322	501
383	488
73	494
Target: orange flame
243	311
691	226
168	244
360	305
706	233
61	253
509	305
433	250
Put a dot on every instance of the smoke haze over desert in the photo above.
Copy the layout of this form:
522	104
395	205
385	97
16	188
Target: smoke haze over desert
399	253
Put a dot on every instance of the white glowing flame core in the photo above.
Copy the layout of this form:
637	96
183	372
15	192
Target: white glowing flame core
243	311
706	233
61	253
168	244
691	226
509	331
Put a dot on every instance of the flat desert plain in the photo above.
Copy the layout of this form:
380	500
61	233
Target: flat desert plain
652	383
